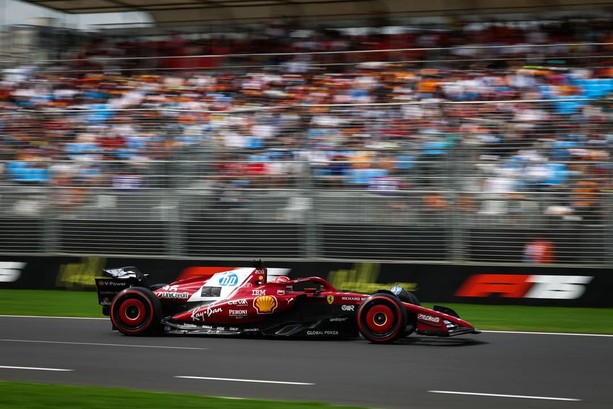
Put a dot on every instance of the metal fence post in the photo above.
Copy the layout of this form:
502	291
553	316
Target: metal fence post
50	222
455	252
310	221
171	204
608	200
174	228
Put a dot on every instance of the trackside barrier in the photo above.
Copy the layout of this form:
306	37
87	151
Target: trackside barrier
504	285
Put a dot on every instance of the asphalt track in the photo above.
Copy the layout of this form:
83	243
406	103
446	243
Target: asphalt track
502	370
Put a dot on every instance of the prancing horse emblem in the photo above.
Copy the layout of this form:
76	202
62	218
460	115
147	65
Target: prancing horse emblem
330	299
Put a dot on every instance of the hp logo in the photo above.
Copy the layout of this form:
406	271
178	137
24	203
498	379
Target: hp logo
228	280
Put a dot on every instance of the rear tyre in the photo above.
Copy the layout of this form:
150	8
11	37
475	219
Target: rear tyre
136	311
382	318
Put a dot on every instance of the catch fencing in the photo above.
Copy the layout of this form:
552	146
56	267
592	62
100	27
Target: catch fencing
427	181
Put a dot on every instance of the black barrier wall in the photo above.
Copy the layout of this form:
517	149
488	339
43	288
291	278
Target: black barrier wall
432	283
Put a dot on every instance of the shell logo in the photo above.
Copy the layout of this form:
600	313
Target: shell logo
265	304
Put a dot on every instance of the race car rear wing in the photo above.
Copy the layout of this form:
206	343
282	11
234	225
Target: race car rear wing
116	280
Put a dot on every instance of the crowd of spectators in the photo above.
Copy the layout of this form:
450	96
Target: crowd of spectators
499	109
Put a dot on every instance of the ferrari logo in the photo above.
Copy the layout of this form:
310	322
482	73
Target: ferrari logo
330	299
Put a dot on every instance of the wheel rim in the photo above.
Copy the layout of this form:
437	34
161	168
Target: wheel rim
132	312
380	319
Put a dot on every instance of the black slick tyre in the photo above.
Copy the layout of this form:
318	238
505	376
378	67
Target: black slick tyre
382	318
136	311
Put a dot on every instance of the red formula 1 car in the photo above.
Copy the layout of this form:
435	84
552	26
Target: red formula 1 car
243	301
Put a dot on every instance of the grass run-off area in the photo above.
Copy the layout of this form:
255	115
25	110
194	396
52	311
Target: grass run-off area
15	395
486	317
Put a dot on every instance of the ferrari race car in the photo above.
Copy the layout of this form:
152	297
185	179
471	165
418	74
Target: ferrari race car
244	301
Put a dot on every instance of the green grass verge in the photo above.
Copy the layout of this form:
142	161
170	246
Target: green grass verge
492	317
16	395
545	319
50	303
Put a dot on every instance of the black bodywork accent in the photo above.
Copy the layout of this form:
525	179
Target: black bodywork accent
118	279
451	333
446	310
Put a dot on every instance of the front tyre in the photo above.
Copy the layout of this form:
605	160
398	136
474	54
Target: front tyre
136	311
382	318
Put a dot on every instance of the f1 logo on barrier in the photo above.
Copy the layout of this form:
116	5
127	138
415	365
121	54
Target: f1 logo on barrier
554	287
10	271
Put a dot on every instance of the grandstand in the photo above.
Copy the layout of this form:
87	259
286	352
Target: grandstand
448	141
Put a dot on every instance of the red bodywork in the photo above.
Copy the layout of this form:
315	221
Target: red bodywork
245	301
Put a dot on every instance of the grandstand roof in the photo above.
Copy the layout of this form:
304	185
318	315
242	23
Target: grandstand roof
175	11
108	6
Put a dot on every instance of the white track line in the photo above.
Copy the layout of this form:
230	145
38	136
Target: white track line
32	368
98	344
569	334
208	378
497	395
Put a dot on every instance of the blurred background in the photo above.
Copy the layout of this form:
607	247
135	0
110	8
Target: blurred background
437	132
